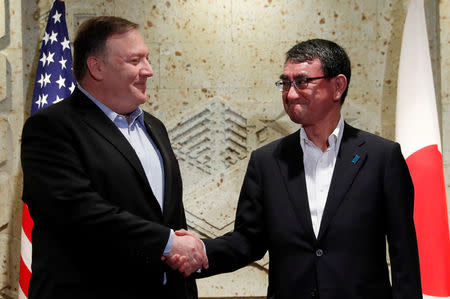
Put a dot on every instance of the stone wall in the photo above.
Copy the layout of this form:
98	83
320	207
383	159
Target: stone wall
215	64
12	107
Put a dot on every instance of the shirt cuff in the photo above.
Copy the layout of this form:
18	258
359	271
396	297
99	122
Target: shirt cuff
204	248
169	244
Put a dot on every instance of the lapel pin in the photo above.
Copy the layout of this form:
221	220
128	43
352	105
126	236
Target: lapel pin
355	159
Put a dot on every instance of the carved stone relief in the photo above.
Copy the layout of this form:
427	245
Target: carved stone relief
213	144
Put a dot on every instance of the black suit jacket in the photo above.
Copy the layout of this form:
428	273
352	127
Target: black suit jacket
370	199
98	229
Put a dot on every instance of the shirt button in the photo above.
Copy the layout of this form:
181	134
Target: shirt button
319	252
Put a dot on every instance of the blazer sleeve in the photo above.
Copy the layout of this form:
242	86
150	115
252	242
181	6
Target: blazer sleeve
246	243
62	200
401	235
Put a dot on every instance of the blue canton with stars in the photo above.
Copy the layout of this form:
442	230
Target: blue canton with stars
54	77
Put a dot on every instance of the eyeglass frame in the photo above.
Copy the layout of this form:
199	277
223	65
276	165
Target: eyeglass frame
305	80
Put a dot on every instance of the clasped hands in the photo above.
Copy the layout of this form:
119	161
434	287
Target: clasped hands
187	254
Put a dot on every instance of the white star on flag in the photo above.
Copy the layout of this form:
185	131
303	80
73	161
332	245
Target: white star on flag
63	63
42	100
44	80
48	72
58	99
53	37
65	43
57	17
61	82
72	87
43	59
46	37
50	58
47	79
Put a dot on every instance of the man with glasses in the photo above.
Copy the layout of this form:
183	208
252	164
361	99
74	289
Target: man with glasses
324	199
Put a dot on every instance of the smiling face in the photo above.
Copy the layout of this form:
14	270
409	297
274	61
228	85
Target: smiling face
318	102
125	71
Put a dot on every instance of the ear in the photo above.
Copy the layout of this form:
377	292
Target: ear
95	67
340	86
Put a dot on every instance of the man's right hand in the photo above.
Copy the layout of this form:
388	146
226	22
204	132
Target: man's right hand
187	254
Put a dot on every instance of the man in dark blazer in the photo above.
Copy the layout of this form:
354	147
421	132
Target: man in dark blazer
102	183
324	199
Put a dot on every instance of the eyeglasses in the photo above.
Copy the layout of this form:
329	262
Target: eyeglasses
300	83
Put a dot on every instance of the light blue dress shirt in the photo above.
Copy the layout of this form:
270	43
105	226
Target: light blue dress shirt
135	132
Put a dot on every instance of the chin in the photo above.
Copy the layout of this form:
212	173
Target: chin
296	120
294	117
141	99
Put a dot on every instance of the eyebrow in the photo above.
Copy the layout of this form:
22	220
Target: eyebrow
301	76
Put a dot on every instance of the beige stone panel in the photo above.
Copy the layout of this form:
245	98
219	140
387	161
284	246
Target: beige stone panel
446	150
9	266
391	18
362	105
444	9
256	65
195	65
245	282
220	65
2	17
215	200
180	21
445	129
262	103
3	78
80	10
259	103
170	105
445	61
153	86
9	245
4	140
300	19
5	205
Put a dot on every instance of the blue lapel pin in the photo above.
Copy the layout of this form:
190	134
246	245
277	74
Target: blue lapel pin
355	159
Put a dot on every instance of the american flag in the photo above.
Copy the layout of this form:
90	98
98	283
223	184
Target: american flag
54	82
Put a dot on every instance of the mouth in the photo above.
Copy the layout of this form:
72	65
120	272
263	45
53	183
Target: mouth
141	86
295	103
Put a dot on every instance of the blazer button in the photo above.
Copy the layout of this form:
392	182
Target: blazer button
319	252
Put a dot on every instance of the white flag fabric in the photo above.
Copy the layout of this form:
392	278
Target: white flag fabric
417	130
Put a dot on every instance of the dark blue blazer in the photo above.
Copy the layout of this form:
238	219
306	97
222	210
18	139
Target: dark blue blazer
370	200
98	229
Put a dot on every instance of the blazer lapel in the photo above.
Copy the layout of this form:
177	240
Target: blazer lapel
292	170
158	138
350	158
99	122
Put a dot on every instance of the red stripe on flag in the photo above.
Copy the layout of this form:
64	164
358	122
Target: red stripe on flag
430	218
27	222
24	279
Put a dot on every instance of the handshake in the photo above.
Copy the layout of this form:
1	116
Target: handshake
188	253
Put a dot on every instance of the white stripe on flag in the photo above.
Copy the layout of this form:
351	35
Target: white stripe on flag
25	250
432	297
21	294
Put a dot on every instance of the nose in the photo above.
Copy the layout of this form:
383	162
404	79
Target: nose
292	93
146	70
